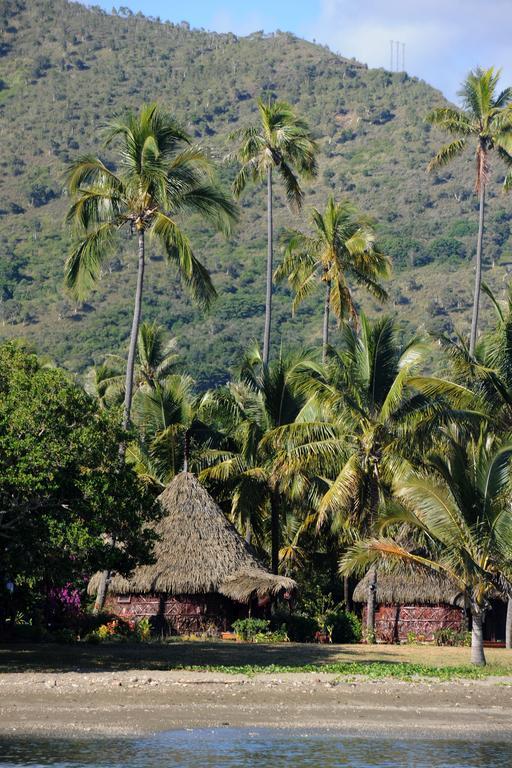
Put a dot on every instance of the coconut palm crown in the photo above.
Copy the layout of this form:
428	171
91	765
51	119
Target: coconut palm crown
341	248
487	118
282	141
160	175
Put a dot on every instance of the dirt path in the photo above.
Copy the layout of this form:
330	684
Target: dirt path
138	702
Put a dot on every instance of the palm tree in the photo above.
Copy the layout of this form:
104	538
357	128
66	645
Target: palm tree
483	381
161	176
156	355
170	429
104	382
155	359
486	116
253	410
282	141
362	426
342	247
462	508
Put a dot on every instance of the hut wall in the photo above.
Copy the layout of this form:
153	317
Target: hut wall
181	614
393	623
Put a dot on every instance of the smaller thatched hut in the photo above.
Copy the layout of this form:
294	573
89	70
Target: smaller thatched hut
204	576
413	604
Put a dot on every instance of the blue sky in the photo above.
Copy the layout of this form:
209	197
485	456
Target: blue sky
443	39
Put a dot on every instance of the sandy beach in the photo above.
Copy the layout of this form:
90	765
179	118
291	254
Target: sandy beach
138	702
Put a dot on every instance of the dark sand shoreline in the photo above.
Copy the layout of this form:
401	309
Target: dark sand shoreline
140	703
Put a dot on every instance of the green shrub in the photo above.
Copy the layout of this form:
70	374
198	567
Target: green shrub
65	635
343	627
143	630
450	637
277	636
247	629
299	628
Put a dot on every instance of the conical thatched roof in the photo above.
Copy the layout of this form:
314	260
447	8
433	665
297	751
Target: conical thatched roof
425	587
198	551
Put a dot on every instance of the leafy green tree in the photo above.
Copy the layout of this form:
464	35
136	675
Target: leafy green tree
341	249
282	141
486	116
161	176
462	507
62	487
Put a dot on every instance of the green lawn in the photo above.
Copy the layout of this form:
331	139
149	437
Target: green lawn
376	661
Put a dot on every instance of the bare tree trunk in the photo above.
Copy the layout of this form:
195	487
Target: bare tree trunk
478	272
268	302
186	451
128	394
327	306
130	365
370	606
101	593
274	526
346	593
508	624
477	638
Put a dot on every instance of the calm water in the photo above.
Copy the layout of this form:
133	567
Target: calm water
232	748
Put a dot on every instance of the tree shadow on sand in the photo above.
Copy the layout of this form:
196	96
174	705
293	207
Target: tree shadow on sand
113	657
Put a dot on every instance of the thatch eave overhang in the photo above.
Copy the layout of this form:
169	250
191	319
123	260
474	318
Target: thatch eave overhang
421	587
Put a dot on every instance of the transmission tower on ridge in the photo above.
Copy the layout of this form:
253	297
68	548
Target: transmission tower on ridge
394	55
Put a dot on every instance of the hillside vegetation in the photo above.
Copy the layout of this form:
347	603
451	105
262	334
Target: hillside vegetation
65	70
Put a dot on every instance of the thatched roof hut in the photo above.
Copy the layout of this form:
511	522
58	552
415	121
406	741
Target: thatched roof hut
416	603
425	587
198	552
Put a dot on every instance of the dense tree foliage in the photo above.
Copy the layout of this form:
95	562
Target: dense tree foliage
62	487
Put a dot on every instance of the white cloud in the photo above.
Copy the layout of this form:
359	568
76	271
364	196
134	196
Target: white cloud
444	38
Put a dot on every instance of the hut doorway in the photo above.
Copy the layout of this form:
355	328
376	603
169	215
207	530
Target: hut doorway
495	620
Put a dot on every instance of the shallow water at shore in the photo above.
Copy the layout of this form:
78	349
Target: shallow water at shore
241	748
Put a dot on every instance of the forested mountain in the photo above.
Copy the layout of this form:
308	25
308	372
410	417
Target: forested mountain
66	69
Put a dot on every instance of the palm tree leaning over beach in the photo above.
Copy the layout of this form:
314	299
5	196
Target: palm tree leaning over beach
461	507
282	141
487	117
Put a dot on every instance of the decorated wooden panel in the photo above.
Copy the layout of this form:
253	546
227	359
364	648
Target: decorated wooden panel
397	623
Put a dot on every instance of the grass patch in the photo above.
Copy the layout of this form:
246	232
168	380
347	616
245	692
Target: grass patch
373	670
402	662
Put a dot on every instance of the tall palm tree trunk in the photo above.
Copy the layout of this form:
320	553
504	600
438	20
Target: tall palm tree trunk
128	394
370	606
274	531
371	602
478	272
477	638
130	365
346	593
327	307
268	301
508	624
